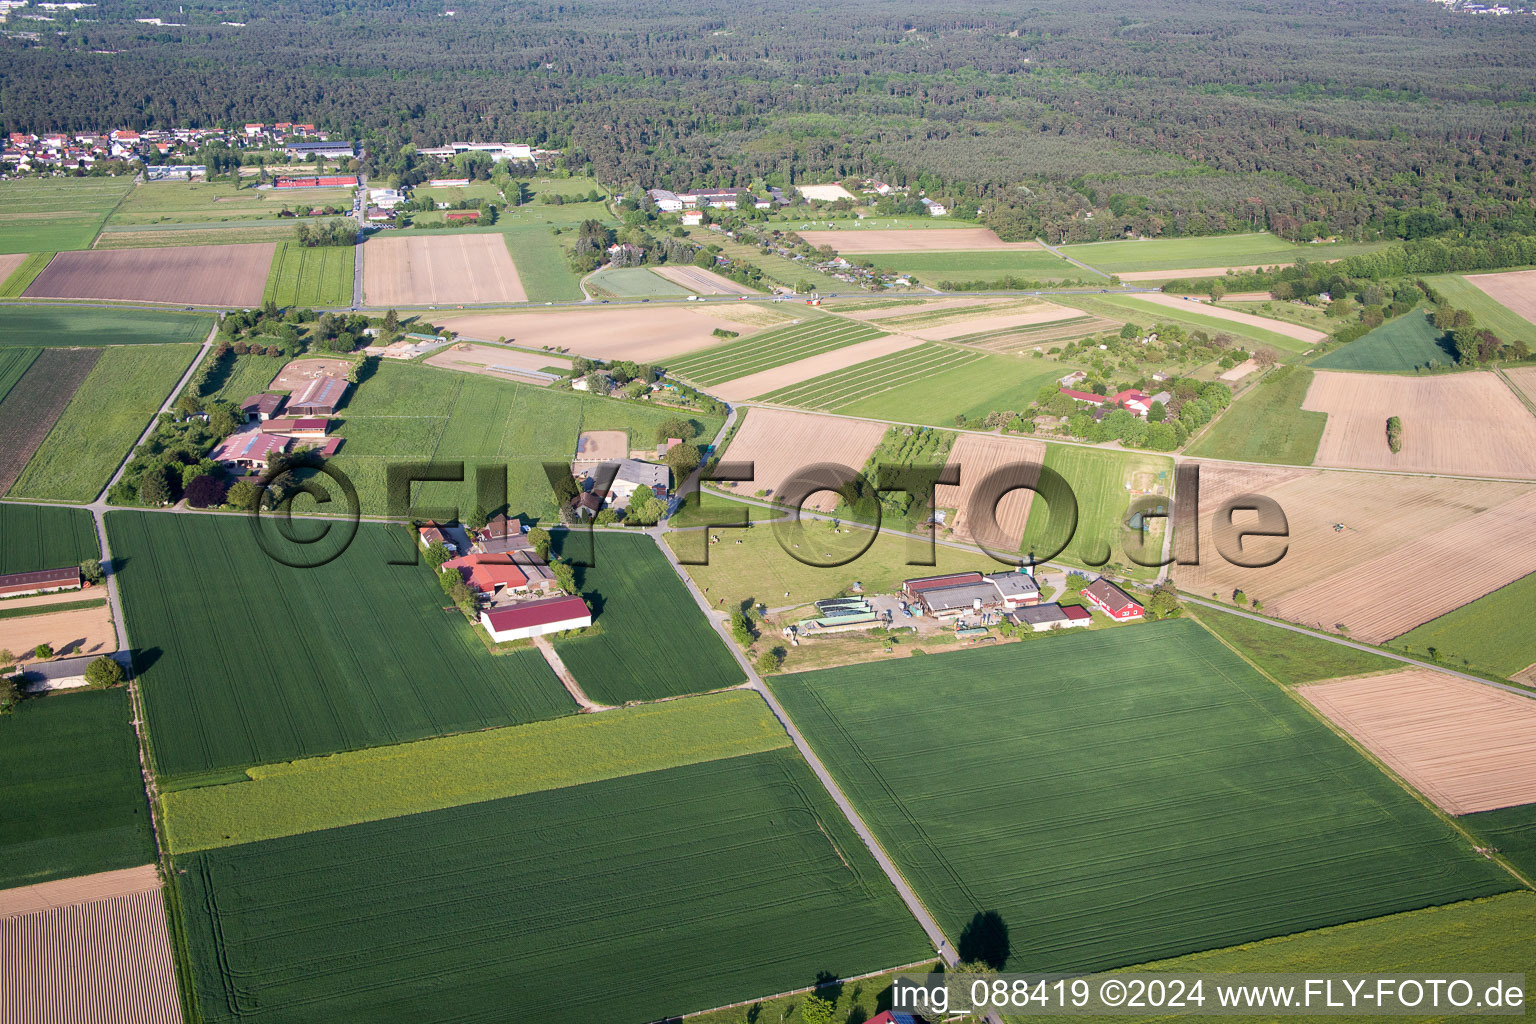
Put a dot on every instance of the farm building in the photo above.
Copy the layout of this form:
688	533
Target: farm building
953	601
500	535
959	593
45	581
489	575
634	474
431	534
535	618
1052	616
912	588
249	449
308	426
1017	589
317	181
262	407
588	505
377	215
319	397
1112	601
1087	397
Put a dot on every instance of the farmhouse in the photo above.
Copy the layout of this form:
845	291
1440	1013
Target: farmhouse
501	535
1052	616
1085	396
489	575
259	408
431	534
378	215
249	449
1112	601
46	581
1016	589
634	474
535	618
319	397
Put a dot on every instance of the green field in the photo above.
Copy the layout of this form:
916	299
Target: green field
1267	424
50	214
1460	293
876	377
1492	634
634	283
1136	793
1511	831
311	275
202	203
1102	482
1292	658
1125	307
247	661
23	276
655	642
74	795
13	363
542	268
816	334
668	891
931	268
160	236
242	376
38	326
971	387
114	404
35	537
429	775
1397	346
1174	254
711	505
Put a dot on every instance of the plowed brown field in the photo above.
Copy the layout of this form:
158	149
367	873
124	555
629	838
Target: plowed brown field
782	443
645	335
705	282
70	634
194	275
978	457
437	269
1410	548
1515	291
1466	746
32	407
1465	423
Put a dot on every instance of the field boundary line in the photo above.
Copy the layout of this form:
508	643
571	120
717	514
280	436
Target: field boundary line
1524	400
1380	765
810	988
102	227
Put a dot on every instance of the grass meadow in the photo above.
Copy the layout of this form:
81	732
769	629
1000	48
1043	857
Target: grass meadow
634	283
1267	424
248	661
14	362
36	537
311	275
777	347
655	641
1102	482
1397	346
41	327
1291	658
199	203
1491	634
109	411
931	268
541	264
74	802
670	891
1511	831
1137	793
1460	293
1174	254
52	214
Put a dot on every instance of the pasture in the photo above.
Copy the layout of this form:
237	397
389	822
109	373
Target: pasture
655	641
634	283
1267	423
42	327
357	652
675	890
816	334
1104	483
1307	336
311	275
1397	346
226	275
1177	801
108	412
238	377
34	403
428	775
49	214
1489	635
935	268
542	268
1172	257
1291	658
439	269
75	804
163	236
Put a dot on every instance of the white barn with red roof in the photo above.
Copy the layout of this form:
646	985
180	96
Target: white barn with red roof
535	618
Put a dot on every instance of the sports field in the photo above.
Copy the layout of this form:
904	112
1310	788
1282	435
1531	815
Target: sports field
1489	635
1290	657
669	891
311	275
1397	346
1105	483
1176	800
43	327
50	214
932	268
75	799
109	411
1174	255
634	283
1267	424
34	537
296	662
655	641
809	337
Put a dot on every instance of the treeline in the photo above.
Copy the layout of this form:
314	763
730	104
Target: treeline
334	232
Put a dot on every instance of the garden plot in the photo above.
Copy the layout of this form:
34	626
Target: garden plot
71	633
439	269
298	372
781	443
224	275
1466	423
645	335
1467	746
896	240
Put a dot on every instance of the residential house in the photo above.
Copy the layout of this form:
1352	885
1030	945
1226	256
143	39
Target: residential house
1043	617
634	474
431	534
1015	589
490	576
527	619
500	535
1112	601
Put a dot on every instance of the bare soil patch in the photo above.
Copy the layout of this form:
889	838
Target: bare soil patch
1515	290
194	275
705	282
438	269
9	262
1466	746
32	407
782	443
1524	379
602	445
1296	331
103	960
978	457
856	240
920	306
64	892
645	335
1241	370
1465	423
480	358
85	631
764	381
1376	553
295	374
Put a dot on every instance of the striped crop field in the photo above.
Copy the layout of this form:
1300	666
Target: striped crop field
772	348
311	275
833	391
1009	338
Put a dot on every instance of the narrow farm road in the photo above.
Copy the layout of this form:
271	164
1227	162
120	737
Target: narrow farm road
1075	262
572	687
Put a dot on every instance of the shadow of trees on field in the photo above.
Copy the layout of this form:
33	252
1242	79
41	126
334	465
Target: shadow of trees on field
985	940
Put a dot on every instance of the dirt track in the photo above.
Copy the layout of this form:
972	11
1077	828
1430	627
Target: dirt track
480	358
299	372
1296	331
978	457
866	240
1515	290
644	335
705	282
193	275
781	443
439	269
1469	423
1240	371
1466	746
764	381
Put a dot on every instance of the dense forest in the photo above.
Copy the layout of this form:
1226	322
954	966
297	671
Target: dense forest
1078	119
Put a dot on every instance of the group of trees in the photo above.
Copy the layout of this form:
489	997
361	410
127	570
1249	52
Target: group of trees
332	232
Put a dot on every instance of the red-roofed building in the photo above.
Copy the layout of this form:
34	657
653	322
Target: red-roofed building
307	426
431	534
489	575
1085	396
45	581
249	449
1138	402
535	618
1112	601
319	397
1076	614
262	407
325	447
912	588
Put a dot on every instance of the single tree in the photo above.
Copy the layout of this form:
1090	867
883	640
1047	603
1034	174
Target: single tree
91	571
539	538
437	554
104	672
478	517
42	652
153	488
